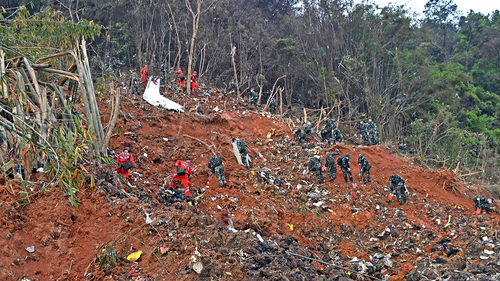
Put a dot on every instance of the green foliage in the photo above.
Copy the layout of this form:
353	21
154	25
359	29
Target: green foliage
71	145
108	256
37	35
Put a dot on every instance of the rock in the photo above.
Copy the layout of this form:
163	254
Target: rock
31	249
197	267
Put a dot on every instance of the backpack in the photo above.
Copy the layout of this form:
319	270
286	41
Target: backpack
312	163
127	165
340	160
215	161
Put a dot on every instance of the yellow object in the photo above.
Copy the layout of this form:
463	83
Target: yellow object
134	256
253	173
291	226
448	223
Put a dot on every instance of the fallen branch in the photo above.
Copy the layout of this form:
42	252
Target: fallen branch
197	139
470	174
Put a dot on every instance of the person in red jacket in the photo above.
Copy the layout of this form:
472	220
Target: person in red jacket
182	79
144	75
125	156
194	86
184	171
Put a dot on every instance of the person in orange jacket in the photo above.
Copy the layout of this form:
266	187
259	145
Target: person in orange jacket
123	168
182	79
183	174
194	85
144	75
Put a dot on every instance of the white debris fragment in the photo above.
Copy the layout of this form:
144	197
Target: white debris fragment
148	219
260	238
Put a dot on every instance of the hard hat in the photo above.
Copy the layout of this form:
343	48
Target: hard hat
336	149
317	156
347	155
127	149
195	73
360	155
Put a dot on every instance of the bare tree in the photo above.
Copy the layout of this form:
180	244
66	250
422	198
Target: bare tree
208	4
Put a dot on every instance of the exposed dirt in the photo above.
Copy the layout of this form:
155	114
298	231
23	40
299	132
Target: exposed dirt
271	200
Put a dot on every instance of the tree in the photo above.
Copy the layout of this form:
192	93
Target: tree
444	14
196	14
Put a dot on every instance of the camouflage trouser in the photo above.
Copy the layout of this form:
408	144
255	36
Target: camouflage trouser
363	172
483	207
374	138
219	173
332	172
135	90
319	175
254	103
401	194
303	144
347	172
244	158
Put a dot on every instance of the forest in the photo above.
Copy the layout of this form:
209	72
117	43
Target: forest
431	82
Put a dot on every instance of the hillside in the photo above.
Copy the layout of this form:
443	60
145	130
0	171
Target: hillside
262	203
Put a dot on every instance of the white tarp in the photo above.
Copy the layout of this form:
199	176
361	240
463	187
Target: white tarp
152	95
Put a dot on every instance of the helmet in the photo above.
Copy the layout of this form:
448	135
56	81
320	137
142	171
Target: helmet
336	149
195	73
234	139
347	155
146	66
317	156
178	163
127	149
360	155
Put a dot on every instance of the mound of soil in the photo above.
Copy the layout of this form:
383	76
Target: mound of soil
271	221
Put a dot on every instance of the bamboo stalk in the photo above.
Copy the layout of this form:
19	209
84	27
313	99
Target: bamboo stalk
3	84
62	73
112	122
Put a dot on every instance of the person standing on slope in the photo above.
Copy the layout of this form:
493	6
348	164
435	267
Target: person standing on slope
345	167
144	75
124	163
